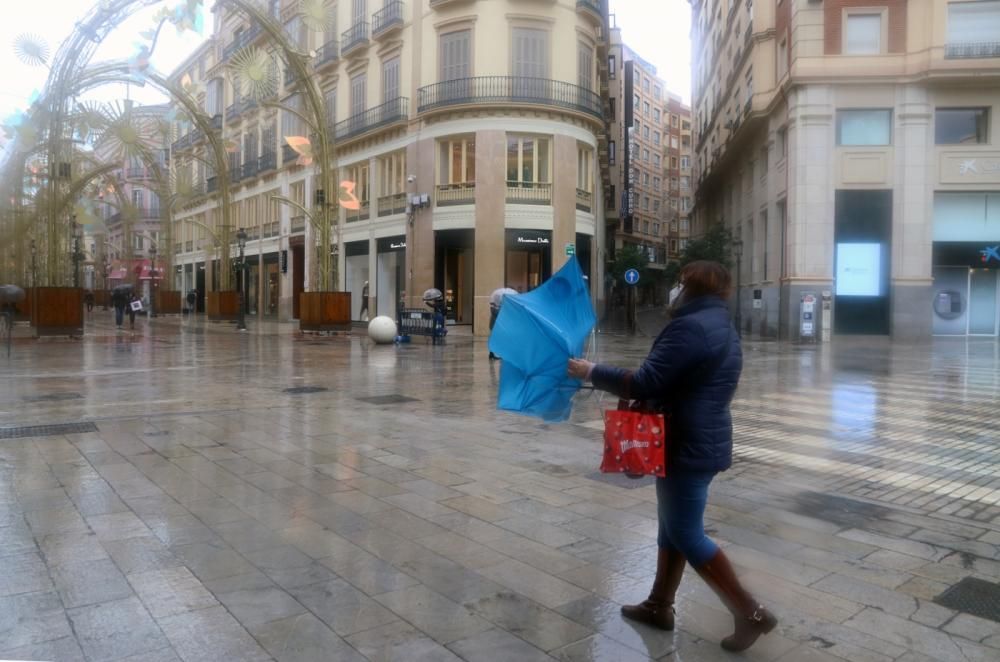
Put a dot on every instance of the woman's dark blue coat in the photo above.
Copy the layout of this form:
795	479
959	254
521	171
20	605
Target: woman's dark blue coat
691	373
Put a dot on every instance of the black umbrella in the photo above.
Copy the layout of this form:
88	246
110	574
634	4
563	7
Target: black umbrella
11	294
124	288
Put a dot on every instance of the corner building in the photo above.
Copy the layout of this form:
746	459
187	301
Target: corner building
853	148
487	113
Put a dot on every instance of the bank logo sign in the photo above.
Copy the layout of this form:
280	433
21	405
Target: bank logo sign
990	253
971	167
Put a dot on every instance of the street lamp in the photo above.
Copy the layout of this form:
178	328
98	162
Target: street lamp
152	280
241	242
738	252
34	270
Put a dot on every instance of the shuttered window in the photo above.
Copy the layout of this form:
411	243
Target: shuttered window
390	79
531	53
213	97
456	55
330	104
359	94
267	140
585	66
359	11
291	124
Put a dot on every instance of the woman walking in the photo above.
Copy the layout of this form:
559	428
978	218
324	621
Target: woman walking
691	375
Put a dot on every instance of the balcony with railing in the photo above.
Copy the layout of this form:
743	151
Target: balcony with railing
328	53
235	172
216	122
362	213
387	19
181	143
529	193
266	162
137	172
250	168
384	115
212	184
972	50
594	8
298	224
584	200
148	212
392	204
288	155
188	246
462	193
507	90
245	39
290	77
354	38
248	104
232	112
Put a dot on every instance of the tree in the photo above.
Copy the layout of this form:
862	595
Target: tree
715	245
630	256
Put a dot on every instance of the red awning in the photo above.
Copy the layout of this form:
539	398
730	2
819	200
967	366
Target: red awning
117	274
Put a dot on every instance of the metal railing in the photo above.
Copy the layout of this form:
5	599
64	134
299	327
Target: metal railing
232	112
328	53
188	246
362	213
151	211
596	6
584	200
235	173
216	122
245	39
354	36
298	224
181	143
137	172
267	161
387	113
392	204
250	168
972	49
288	155
456	194
212	184
497	90
529	193
249	103
272	229
389	16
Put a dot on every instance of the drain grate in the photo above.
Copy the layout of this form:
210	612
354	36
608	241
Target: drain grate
46	430
973	596
53	397
621	480
393	399
300	390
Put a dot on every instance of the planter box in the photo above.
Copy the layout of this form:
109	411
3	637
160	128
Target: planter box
24	307
102	299
325	311
222	306
167	302
58	311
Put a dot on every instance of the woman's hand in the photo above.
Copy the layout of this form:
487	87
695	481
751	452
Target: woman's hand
579	368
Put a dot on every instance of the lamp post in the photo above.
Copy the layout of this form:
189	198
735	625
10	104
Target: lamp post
241	242
152	280
738	252
34	270
105	270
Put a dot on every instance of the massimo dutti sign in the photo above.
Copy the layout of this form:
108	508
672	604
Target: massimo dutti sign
970	168
527	239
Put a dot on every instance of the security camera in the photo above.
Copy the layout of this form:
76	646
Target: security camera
411	178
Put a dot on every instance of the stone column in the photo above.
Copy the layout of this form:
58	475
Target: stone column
491	203
913	218
563	199
285	279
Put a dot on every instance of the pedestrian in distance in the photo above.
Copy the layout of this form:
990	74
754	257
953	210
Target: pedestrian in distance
88	298
120	300
132	296
690	375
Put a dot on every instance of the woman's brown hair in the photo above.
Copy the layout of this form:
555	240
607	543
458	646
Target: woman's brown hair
705	278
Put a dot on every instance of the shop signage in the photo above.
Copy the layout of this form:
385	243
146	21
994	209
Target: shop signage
966	169
388	244
570	250
283	261
632	276
990	253
539	241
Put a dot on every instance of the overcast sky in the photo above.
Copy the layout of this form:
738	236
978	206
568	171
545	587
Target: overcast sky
656	29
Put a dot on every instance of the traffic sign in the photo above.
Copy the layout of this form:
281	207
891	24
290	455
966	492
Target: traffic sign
632	276
570	250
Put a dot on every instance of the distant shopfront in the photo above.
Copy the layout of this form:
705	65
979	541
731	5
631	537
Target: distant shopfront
390	265
966	292
528	259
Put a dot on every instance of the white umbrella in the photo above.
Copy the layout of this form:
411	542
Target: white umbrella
496	299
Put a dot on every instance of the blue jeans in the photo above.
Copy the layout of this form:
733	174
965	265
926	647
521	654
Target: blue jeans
119	315
680	506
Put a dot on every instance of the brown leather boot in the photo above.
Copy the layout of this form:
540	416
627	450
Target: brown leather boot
658	609
750	617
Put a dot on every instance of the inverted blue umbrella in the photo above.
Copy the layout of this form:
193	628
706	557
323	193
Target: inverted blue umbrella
535	335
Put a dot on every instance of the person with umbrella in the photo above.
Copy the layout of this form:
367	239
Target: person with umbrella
691	374
121	296
496	301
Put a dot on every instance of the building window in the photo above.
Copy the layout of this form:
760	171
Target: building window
645	179
673	163
635	100
657	92
685	183
656	229
863	33
330	102
645	207
458	161
673	142
656	184
645	84
685	206
527	160
390	79
656	138
137	198
645	132
782	140
392	174
455	57
584	169
585	66
611	107
656	115
612	152
765	240
656	160
673	183
645	108
359	175
782	63
864	127
612	67
685	223
656	205
685	162
645	155
763	160
973	22
530	50
359	94
961	126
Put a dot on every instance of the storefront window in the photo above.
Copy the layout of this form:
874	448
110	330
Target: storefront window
357	279
960	126
529	259
527	160
458	161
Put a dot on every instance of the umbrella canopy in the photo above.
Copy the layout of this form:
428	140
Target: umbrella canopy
124	288
496	299
536	334
11	294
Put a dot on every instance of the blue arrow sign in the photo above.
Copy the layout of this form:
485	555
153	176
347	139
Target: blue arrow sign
632	276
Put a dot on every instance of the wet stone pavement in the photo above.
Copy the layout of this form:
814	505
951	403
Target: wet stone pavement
166	496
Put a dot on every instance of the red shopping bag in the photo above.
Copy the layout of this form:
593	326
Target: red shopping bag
634	442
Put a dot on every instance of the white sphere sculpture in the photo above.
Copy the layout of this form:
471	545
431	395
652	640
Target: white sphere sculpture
382	330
